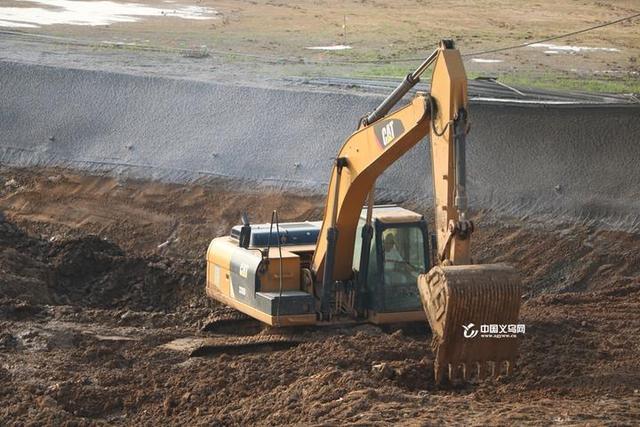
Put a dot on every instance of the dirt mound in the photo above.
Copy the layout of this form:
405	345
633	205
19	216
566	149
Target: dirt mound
93	272
96	273
24	271
569	258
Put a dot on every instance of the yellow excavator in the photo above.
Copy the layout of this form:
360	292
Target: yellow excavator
380	264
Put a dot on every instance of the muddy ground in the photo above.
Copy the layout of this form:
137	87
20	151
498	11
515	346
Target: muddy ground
96	274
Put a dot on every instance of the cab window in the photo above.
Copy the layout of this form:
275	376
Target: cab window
403	249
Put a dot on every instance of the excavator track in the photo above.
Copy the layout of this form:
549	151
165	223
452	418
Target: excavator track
209	346
458	301
229	321
230	331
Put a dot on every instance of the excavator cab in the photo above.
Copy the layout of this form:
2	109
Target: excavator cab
388	265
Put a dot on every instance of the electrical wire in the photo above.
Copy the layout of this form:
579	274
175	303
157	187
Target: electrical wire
548	39
516	46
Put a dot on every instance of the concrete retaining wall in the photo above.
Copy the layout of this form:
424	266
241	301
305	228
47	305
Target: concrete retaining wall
577	161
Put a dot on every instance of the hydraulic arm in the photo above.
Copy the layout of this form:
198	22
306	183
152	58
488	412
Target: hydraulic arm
454	293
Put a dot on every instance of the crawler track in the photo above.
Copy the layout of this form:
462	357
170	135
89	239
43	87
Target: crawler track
230	321
198	347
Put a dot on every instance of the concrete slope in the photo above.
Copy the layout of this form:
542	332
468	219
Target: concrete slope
579	161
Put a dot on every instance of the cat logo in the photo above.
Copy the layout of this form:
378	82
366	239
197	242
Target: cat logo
387	131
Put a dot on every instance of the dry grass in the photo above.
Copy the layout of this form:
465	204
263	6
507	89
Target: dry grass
382	30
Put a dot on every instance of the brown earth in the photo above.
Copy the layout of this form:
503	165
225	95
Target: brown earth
88	298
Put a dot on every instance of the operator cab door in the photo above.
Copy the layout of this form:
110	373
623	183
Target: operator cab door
398	253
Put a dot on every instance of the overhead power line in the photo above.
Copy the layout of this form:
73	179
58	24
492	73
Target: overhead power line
548	39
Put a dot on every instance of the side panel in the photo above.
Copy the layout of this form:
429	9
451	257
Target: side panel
244	275
218	265
235	276
270	279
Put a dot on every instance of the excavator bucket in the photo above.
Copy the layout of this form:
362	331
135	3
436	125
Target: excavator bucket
473	313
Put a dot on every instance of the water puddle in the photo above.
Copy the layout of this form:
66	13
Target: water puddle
555	48
334	47
92	13
486	60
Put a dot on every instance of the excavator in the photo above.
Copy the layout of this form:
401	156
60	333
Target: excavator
380	263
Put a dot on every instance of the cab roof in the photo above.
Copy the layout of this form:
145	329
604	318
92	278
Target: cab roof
392	214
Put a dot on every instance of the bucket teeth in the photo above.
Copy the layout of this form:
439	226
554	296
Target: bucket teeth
452	372
476	370
509	367
457	301
495	369
480	370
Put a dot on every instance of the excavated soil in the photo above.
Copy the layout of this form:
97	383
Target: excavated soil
96	274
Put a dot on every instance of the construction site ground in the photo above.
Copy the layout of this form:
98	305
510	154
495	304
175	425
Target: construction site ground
97	274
